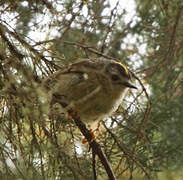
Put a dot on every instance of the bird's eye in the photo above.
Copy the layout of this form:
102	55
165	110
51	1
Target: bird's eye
115	77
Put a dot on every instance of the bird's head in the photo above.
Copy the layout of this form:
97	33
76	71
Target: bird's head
118	75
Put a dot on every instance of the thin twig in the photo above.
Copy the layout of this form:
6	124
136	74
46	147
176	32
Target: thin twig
126	152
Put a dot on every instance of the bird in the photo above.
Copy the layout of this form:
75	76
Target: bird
94	86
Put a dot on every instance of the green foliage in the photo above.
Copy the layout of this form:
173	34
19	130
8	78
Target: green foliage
144	136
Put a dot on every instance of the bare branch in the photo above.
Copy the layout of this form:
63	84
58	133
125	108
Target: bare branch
96	148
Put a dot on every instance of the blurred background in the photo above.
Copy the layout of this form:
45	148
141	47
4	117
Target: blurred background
143	139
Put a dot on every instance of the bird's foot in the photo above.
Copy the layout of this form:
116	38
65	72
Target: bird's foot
90	140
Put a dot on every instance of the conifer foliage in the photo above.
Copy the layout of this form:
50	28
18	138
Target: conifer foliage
142	138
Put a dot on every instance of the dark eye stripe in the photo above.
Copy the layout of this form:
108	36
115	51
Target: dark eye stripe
115	77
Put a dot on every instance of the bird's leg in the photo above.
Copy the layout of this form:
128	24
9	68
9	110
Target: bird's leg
72	114
92	137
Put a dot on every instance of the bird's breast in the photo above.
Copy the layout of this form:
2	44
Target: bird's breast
99	106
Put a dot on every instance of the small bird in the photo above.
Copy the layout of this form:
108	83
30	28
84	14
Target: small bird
95	87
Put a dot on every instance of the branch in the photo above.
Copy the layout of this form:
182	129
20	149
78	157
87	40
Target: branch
93	165
26	46
96	148
12	48
126	152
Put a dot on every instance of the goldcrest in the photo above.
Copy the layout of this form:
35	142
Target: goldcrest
95	87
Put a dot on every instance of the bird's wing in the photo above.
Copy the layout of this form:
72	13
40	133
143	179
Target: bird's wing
72	82
70	75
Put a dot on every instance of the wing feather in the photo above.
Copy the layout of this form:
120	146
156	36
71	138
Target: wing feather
72	83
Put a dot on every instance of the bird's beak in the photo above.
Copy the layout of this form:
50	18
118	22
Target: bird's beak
127	84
